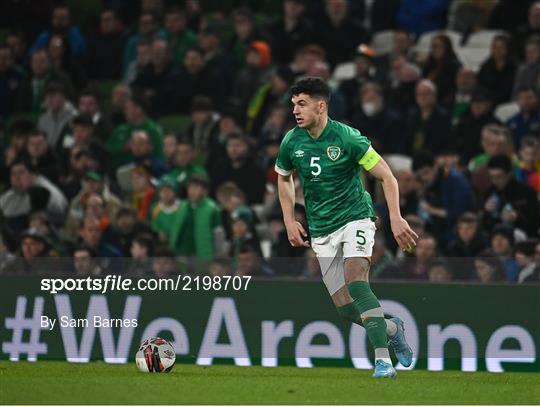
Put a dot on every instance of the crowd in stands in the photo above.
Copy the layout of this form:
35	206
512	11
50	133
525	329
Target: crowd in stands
149	130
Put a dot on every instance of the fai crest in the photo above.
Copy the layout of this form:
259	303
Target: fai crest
333	152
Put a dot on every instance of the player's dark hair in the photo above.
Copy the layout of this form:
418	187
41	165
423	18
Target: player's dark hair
313	86
423	159
500	162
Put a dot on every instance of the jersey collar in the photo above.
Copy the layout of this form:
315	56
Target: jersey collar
324	132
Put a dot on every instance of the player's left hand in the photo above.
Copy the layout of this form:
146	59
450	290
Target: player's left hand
404	235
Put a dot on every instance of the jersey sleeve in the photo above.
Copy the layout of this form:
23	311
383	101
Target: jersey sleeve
284	164
363	151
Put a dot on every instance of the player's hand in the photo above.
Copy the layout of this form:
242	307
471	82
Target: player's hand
296	234
404	235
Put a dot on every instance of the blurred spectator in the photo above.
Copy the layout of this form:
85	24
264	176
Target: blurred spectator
243	231
58	115
420	16
229	123
524	31
250	263
465	86
42	156
416	267
312	268
179	37
40	221
195	80
105	47
275	91
136	119
148	30
11	77
89	105
197	230
377	122
229	197
170	142
61	60
245	32
527	121
428	124
119	98
80	159
185	165
160	81
141	62
17	134
439	271
337	108
467	134
509	201
220	266
34	244
142	153
364	71
257	72
402	46
442	67
528	71
142	193
305	57
502	241
90	234
469	16
525	257
30	192
141	251
16	40
488	268
529	162
339	33
126	227
163	263
205	124
85	263
498	71
62	25
446	194
292	31
166	209
32	90
92	183
400	83
240	167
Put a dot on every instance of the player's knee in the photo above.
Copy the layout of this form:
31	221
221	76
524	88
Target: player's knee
356	269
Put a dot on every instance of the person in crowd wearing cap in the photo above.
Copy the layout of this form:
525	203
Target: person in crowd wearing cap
466	136
290	32
240	167
92	182
364	71
243	231
204	123
381	124
89	105
446	194
197	229
142	193
40	221
502	246
488	268
527	121
250	263
428	123
60	111
136	119
30	191
339	32
257	72
91	235
266	96
185	165
166	208
508	200
31	93
197	79
85	263
42	156
179	37
34	244
525	257
160	81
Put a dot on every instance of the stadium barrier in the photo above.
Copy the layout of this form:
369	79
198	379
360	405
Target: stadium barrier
271	323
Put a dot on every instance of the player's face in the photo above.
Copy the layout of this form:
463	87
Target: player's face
307	110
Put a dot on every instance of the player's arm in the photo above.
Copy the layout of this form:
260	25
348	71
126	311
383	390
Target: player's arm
404	235
295	231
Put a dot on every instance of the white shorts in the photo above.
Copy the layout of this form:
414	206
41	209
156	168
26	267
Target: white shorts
355	239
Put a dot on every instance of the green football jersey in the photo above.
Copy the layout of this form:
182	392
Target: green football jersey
329	167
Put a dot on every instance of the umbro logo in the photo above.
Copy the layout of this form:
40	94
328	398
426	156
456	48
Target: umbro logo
299	153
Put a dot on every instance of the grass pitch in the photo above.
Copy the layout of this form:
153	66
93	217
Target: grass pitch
100	383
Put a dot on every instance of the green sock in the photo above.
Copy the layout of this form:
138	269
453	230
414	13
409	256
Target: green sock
369	308
349	312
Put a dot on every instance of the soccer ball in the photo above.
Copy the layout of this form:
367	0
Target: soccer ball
155	355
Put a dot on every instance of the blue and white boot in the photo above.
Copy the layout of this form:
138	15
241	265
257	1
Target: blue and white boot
398	342
384	370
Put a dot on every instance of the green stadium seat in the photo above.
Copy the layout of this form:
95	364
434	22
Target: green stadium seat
175	122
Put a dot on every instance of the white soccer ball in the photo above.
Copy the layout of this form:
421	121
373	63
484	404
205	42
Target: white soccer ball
155	355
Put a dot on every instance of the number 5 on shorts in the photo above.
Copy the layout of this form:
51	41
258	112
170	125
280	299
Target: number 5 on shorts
361	238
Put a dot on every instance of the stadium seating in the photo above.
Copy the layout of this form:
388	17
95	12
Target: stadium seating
423	45
472	57
382	42
506	111
343	71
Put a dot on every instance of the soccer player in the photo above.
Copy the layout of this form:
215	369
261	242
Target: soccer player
327	156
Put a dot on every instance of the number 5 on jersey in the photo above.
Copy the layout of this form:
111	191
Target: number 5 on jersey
314	163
